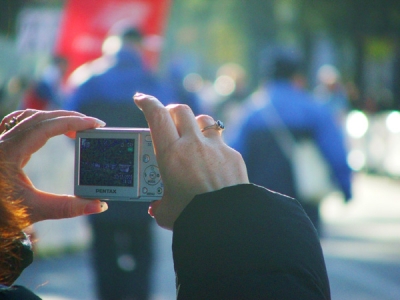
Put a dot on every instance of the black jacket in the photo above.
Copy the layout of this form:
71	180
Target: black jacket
246	242
17	292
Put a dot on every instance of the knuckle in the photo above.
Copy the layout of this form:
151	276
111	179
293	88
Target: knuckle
206	119
156	112
178	108
66	210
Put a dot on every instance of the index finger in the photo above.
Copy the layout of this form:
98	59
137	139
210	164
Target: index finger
162	126
34	137
29	117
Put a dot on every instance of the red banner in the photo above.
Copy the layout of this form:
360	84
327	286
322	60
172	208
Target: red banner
86	24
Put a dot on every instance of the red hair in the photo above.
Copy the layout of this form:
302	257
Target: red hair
13	219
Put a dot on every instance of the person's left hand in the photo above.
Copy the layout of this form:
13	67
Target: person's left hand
28	134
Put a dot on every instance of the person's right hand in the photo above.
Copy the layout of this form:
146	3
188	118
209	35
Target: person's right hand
191	162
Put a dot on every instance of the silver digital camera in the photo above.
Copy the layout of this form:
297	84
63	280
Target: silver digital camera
116	164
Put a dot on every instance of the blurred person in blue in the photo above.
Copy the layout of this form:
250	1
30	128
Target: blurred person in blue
289	109
330	92
46	92
122	240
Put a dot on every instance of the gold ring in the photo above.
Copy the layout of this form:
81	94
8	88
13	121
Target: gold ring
14	121
218	125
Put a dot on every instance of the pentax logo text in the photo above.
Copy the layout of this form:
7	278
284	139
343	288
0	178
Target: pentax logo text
106	191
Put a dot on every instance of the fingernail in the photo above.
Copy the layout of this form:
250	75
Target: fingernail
100	122
95	207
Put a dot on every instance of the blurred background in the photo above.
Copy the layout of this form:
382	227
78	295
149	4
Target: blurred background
215	51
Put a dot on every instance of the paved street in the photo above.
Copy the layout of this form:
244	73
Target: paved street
361	241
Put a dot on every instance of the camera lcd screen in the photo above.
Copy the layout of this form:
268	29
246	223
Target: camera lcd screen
107	162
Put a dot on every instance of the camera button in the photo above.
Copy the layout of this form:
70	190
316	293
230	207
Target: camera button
152	175
146	158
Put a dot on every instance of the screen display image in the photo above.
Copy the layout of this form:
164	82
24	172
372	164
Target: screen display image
107	162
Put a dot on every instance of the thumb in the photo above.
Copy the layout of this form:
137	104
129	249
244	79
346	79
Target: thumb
52	206
153	207
165	215
157	211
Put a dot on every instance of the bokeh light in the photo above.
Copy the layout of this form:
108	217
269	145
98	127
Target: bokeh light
393	122
357	124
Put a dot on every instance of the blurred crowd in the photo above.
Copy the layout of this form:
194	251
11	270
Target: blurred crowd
227	96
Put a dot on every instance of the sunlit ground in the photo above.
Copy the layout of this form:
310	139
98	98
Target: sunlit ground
368	227
362	241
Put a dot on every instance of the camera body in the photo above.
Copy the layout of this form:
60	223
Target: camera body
116	164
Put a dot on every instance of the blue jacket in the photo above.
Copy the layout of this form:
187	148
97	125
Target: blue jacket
266	163
115	86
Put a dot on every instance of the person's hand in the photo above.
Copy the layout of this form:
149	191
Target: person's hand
191	162
22	134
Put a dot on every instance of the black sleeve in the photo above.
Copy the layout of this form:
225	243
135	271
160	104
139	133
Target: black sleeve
17	292
246	242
